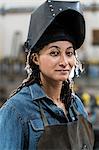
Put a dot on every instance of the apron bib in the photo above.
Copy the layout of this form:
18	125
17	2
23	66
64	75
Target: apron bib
76	135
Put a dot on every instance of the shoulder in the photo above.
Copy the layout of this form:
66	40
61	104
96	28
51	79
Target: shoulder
79	105
19	104
20	97
25	102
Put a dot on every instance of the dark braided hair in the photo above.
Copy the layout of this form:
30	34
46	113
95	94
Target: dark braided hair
66	93
34	77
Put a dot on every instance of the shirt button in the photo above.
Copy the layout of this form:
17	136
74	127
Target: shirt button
57	112
73	118
84	147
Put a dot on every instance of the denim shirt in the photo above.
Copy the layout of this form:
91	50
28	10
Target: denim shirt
21	124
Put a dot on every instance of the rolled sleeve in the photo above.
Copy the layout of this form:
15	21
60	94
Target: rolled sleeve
10	129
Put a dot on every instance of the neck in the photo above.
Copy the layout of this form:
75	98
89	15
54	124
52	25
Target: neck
52	89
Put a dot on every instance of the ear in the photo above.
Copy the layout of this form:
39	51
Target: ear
35	58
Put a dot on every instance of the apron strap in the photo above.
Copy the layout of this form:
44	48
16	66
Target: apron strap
45	121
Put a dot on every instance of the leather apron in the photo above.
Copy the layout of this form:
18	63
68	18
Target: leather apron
76	135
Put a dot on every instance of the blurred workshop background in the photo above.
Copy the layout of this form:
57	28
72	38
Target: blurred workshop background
14	23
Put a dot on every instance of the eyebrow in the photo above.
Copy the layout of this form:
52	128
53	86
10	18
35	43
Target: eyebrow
70	47
59	47
54	46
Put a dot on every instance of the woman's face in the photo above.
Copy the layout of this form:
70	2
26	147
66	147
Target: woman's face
56	61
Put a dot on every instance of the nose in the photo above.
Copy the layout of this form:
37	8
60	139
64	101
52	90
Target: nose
63	61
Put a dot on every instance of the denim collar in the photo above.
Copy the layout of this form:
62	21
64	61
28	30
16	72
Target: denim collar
37	92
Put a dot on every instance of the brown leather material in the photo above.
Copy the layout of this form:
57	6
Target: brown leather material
77	135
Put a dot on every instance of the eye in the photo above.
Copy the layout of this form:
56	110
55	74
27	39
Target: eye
69	54
54	53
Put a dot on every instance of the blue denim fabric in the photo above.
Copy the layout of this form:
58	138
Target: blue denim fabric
20	120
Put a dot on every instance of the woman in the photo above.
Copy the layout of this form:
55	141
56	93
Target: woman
43	113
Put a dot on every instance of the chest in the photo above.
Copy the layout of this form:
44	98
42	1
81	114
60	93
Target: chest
51	115
51	133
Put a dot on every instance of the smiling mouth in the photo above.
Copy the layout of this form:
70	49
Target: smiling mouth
63	71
